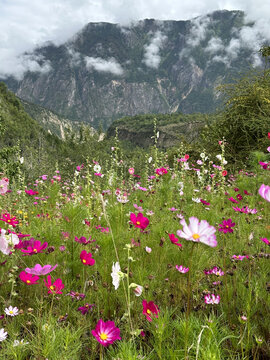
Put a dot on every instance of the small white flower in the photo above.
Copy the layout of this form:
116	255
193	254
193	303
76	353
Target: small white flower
20	342
12	311
97	168
148	249
21	160
196	200
138	290
219	157
202	155
115	275
150	159
3	335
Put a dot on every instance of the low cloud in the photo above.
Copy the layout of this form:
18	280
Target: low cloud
101	65
198	30
151	56
18	66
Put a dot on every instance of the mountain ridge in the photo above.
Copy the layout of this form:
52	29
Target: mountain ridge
108	71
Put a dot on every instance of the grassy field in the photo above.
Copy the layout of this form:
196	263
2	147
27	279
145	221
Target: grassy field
170	263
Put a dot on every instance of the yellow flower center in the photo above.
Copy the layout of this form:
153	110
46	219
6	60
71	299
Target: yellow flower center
103	336
195	236
28	281
52	287
148	311
35	250
138	223
84	261
10	311
8	221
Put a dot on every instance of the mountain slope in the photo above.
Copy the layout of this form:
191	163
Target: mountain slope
108	71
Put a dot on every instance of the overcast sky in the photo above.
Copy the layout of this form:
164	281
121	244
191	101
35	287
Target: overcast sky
25	24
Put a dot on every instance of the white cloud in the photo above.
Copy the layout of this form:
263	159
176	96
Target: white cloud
151	56
198	30
214	45
24	24
98	64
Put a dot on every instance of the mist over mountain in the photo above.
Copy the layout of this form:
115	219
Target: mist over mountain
107	71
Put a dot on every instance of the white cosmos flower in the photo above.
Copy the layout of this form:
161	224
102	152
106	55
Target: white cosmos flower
20	342
12	311
116	271
3	335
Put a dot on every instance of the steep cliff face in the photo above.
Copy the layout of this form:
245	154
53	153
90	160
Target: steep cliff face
108	71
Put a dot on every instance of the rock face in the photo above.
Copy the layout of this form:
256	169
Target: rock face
108	71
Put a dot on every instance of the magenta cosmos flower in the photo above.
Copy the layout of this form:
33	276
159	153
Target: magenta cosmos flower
34	247
106	333
174	240
264	191
54	288
86	258
139	221
28	278
198	231
226	226
41	270
150	309
266	241
12	221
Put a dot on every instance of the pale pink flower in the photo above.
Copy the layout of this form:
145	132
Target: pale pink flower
198	231
148	249
212	299
264	191
182	269
7	241
40	270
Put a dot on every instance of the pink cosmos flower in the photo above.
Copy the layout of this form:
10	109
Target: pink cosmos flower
212	299
161	171
239	257
131	171
216	271
233	200
35	247
3	186
86	258
198	231
12	221
150	309
266	241
139	221
182	269
106	333
264	191
54	288
28	278
226	226
41	270
174	240
245	210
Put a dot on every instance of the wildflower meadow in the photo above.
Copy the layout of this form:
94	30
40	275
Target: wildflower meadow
167	262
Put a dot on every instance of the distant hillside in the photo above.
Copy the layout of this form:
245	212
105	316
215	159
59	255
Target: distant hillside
172	128
50	121
108	71
19	131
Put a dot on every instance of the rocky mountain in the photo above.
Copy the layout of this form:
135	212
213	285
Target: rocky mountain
108	71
